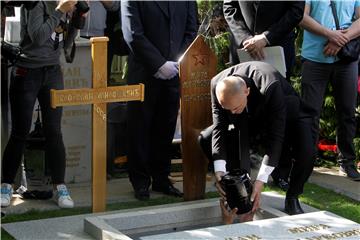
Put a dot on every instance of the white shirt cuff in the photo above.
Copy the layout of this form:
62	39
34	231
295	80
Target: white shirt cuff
267	41
220	166
264	173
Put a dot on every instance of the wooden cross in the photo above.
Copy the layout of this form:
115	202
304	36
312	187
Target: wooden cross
99	95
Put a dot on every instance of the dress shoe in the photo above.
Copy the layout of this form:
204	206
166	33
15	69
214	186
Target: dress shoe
350	171
292	206
168	189
282	184
142	194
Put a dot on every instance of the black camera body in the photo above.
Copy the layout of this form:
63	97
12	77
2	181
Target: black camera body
10	52
78	19
238	189
27	4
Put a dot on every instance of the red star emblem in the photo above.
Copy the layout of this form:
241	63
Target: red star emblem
200	59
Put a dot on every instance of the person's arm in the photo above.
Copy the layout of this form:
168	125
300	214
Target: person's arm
218	138
111	5
39	30
276	32
354	30
236	22
191	26
311	25
134	36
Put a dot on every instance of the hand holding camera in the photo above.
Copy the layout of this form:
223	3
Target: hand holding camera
66	6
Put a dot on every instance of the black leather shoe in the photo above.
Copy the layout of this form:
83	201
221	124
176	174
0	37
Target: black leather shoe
282	184
292	206
168	190
142	194
350	171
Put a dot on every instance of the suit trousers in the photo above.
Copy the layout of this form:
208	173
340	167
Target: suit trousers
151	126
236	144
297	149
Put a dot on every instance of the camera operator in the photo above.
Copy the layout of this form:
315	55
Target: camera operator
37	70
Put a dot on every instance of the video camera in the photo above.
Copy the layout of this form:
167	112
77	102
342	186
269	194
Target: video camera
27	4
10	52
78	19
238	189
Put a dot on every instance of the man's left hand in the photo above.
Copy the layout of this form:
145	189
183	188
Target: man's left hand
255	46
331	49
255	196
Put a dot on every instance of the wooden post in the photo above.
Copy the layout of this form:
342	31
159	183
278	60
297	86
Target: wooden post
197	67
99	95
99	73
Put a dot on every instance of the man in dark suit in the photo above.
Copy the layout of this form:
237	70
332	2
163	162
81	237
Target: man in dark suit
158	33
257	24
253	97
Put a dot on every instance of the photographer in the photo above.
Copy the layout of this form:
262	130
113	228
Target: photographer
37	70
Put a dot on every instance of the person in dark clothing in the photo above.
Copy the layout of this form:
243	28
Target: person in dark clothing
253	97
322	66
157	33
257	24
36	72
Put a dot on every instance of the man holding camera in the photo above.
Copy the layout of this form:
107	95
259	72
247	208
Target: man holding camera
37	70
251	98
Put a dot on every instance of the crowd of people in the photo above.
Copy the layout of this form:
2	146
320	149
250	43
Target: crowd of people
248	99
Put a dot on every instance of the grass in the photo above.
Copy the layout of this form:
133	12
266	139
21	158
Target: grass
315	196
327	200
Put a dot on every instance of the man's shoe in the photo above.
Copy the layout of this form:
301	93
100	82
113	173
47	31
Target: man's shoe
292	206
350	171
6	194
62	197
142	194
282	184
168	190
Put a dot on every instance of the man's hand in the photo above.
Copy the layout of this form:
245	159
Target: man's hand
218	176
338	37
255	46
168	70
255	196
246	217
331	49
66	6
228	215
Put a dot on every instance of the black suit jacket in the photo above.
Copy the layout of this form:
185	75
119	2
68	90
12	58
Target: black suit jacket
276	19
269	96
156	32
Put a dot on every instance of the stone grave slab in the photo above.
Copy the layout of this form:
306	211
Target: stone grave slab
310	226
136	224
73	227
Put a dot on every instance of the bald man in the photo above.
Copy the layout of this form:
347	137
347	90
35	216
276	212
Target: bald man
253	98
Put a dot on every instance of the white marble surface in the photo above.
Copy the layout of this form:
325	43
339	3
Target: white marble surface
304	226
